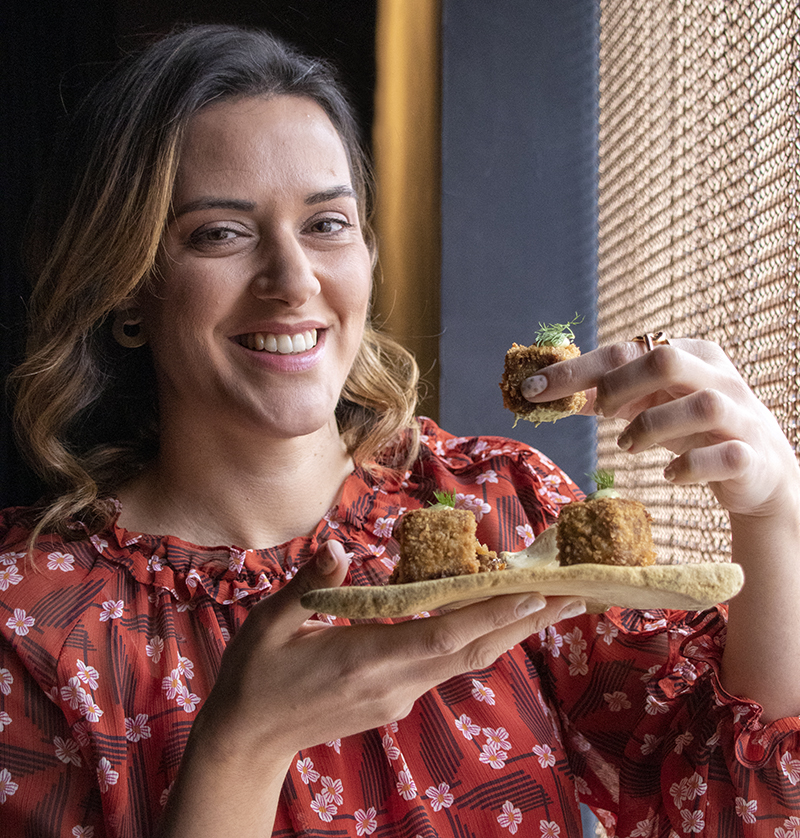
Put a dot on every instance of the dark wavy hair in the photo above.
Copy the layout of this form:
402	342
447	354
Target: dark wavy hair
86	409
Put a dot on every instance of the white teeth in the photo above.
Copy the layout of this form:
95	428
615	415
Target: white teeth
281	344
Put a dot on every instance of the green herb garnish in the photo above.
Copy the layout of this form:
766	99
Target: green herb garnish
446	498
557	334
603	478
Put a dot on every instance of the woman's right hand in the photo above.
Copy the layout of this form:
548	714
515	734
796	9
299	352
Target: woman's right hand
289	682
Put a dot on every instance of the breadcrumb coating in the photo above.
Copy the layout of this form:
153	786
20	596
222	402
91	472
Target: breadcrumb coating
610	531
523	361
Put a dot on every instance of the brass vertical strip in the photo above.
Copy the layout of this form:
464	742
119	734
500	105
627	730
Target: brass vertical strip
406	147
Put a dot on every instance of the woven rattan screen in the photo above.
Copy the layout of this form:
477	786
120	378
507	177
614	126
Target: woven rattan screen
699	176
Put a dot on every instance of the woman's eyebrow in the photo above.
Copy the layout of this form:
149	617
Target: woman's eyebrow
344	191
215	203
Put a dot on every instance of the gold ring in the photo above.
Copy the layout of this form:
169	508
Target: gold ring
652	339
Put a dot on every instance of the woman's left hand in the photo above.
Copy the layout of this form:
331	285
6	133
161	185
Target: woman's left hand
688	397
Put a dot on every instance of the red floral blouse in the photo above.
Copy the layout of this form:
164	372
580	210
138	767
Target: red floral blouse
111	644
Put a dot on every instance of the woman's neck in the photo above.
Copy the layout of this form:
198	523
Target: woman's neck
212	492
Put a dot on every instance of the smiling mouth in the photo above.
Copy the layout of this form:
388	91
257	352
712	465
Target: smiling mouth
280	344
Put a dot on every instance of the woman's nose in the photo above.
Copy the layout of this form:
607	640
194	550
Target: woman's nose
285	272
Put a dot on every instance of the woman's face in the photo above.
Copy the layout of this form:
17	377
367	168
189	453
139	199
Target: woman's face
264	275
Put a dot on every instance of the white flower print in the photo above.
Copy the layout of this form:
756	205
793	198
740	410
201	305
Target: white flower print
392	751
746	809
389	561
185	667
383	527
692	821
305	768
549	829
493	756
440	797
60	561
525	532
790	828
366	821
510	817
545	755
236	560
489	476
73	693
650	744
682	741
406	786
187	700
323	807
790	768
83	831
552	641
653	706
111	610
172	683
67	751
582	788
9	575
648	676
7	787
80	730
465	725
578	663
137	728
376	550
575	640
106	776
154	648
155	564
607	630
481	692
617	701
91	710
5	720
478	507
193	578
332	789
11	558
336	744
646	829
6	680
20	623
87	674
497	737
695	787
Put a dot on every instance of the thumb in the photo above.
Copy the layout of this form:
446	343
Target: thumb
326	569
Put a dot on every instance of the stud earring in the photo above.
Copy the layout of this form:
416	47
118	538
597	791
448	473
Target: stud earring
128	331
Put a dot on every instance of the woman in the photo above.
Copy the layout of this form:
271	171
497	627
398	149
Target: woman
201	372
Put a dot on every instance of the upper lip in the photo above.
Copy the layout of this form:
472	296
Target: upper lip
282	328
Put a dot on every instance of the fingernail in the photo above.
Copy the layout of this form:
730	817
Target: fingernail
669	473
532	386
530	606
624	442
572	609
326	561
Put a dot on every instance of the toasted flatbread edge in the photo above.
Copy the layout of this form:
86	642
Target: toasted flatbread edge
692	587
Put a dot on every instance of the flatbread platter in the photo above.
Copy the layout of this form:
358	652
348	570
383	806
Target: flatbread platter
686	586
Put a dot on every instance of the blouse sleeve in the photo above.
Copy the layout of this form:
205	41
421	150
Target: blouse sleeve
46	784
654	738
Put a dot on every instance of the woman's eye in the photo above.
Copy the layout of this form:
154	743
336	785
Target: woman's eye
330	225
212	236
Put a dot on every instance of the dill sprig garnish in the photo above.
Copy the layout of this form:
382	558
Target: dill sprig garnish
557	334
446	498
603	478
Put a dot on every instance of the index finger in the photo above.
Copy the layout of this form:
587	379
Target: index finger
584	372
